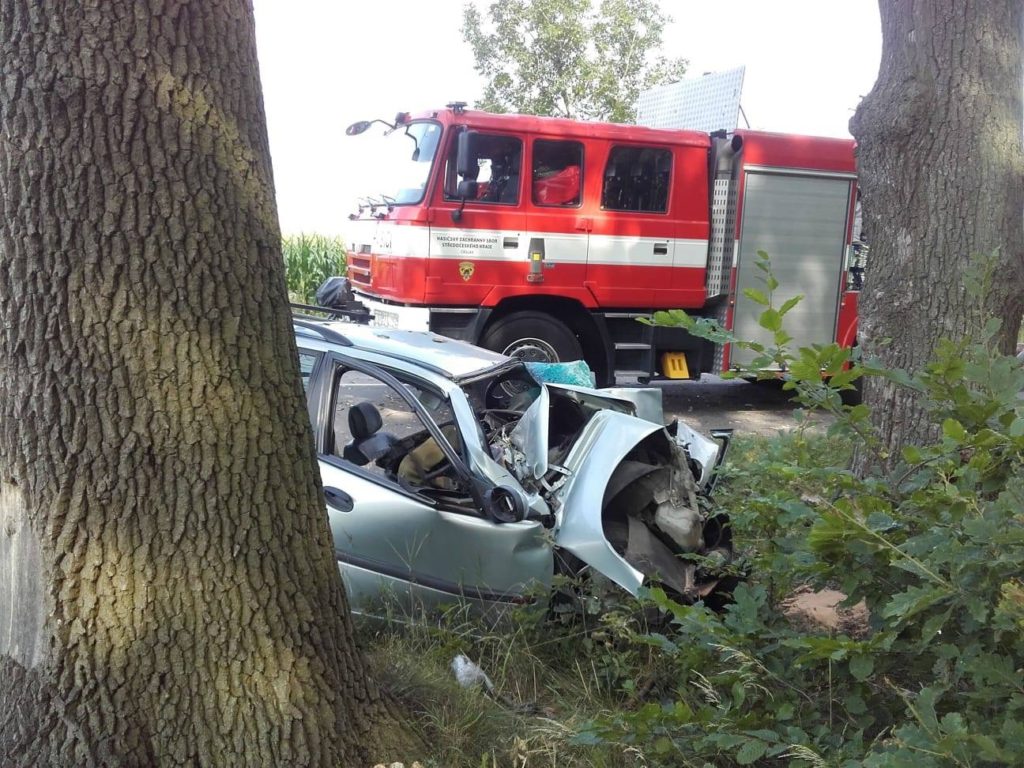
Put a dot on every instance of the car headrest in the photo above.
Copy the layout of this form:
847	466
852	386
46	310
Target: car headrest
364	420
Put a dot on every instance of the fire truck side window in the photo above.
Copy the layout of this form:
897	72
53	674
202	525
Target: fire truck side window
557	172
498	159
637	179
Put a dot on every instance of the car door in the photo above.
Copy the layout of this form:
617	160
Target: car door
395	539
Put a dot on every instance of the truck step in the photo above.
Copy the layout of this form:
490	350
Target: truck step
631	345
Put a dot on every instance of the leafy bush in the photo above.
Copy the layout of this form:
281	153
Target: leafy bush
934	548
308	261
929	673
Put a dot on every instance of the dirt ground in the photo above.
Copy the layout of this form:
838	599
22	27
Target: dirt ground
821	610
760	408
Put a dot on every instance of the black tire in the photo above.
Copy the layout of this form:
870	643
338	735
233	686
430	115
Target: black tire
533	336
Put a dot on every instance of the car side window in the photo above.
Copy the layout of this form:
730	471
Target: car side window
497	172
307	364
375	428
637	179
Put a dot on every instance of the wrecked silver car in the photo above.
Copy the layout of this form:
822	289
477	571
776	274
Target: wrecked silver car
451	473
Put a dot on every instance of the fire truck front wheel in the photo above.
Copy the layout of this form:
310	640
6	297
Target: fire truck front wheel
534	337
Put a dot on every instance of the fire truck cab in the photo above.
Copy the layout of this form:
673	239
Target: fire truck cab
547	238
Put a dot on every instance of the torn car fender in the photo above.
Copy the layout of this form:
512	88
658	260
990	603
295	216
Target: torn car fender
606	441
702	450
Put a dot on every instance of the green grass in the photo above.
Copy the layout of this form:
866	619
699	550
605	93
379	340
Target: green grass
308	261
550	678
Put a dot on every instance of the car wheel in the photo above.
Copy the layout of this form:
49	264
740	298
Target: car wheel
533	337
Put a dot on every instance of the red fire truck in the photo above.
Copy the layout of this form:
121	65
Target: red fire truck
547	238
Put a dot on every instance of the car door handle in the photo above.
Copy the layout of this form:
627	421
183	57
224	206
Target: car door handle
338	499
661	249
510	242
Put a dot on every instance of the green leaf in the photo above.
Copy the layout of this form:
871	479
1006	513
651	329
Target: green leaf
782	338
756	296
861	667
855	704
663	745
751	752
954	430
912	454
770	320
790	303
739	695
912	601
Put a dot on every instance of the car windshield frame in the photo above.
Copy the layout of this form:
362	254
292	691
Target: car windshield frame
396	143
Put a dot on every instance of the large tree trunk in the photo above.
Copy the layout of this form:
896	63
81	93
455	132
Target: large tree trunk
940	165
168	592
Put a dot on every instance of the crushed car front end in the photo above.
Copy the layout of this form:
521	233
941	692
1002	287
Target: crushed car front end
628	496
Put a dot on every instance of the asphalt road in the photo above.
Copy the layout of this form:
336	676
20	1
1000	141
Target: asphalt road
747	407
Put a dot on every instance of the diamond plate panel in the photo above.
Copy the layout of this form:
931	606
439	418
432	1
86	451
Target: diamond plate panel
723	215
706	103
721	314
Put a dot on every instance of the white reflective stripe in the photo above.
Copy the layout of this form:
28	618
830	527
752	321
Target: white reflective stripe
691	253
403	240
387	239
635	251
567	248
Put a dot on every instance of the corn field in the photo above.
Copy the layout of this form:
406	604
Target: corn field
308	261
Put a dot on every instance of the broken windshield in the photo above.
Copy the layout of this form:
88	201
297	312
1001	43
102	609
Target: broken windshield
407	155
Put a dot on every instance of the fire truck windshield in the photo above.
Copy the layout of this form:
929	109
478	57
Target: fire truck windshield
406	157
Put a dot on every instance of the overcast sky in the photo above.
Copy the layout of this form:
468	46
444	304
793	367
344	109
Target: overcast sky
328	63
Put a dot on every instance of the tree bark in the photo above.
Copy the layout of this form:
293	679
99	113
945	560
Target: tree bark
169	594
940	167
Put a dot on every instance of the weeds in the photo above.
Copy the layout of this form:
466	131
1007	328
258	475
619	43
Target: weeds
550	678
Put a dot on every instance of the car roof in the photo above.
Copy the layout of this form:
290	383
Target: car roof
452	359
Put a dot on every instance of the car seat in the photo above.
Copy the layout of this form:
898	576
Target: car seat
368	442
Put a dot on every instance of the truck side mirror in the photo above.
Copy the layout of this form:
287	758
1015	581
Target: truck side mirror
467	190
466	164
356	128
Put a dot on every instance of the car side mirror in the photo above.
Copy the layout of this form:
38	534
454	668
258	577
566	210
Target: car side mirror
503	505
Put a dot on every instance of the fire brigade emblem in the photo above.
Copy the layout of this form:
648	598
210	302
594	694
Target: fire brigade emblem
466	269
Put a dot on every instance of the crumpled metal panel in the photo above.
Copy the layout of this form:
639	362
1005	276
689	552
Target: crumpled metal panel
701	449
650	554
605	442
530	436
647	400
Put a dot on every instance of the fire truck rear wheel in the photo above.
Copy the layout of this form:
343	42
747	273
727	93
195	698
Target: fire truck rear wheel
534	337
